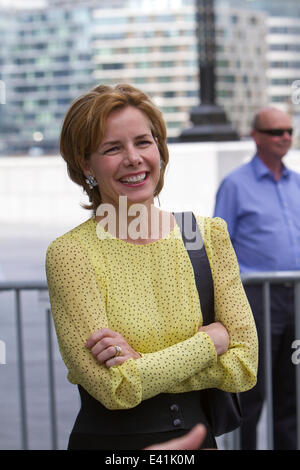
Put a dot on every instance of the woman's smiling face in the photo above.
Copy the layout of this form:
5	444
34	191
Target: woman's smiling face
127	162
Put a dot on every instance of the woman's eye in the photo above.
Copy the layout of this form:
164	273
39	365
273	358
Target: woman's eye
144	143
111	150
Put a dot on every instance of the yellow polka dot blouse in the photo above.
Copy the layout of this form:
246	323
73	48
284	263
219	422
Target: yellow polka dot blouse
148	294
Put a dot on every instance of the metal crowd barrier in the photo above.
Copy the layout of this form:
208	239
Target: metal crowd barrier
17	288
266	279
263	278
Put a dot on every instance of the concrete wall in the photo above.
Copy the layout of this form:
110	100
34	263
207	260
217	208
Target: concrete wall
37	193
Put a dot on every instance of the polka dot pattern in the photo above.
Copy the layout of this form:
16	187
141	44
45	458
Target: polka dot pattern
148	294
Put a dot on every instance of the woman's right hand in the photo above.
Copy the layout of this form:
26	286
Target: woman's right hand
103	345
219	336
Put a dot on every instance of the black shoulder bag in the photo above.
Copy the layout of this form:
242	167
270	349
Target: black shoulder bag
221	408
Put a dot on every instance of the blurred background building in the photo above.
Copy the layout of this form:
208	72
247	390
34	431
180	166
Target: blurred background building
282	20
52	53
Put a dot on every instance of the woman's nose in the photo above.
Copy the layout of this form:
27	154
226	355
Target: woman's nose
132	156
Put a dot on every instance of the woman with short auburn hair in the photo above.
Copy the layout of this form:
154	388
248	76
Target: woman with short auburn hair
84	126
123	295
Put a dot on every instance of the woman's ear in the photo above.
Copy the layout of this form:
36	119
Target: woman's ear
85	167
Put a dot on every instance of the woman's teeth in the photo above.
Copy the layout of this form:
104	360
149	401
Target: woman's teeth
134	179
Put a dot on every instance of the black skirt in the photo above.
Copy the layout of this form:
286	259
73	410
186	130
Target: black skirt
83	441
157	420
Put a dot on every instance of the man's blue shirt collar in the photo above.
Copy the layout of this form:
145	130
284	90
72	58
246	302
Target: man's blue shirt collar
261	170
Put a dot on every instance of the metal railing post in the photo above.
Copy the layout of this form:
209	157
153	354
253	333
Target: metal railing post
297	334
22	390
52	402
268	363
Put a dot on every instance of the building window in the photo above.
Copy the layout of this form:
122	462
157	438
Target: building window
116	66
61	73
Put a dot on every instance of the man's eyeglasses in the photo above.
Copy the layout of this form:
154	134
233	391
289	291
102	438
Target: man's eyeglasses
276	132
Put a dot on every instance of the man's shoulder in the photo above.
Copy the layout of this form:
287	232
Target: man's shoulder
237	175
295	174
243	169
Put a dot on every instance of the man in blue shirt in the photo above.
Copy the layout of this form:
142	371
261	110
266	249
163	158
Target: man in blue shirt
260	203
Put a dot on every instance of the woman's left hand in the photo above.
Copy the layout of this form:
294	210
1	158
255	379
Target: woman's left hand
110	348
219	336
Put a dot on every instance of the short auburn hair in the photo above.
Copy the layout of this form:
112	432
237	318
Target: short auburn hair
84	127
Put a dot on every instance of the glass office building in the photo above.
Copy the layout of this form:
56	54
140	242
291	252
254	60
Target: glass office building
49	56
45	58
279	8
52	55
283	47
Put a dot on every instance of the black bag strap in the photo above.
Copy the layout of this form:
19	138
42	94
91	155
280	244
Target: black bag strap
194	245
215	401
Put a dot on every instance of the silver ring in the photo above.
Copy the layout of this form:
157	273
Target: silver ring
118	351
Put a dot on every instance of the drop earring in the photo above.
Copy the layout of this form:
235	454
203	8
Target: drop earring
91	181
